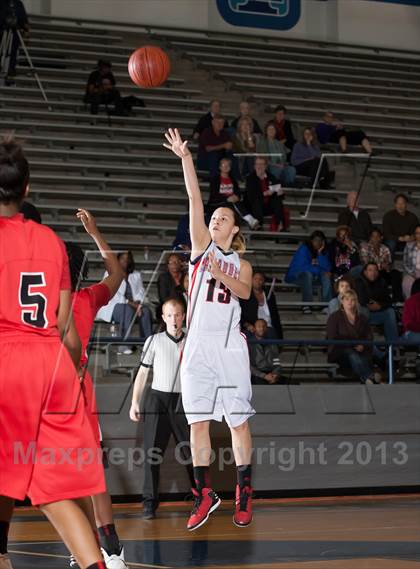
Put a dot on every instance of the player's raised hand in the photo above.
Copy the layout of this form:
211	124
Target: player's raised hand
176	144
88	221
215	271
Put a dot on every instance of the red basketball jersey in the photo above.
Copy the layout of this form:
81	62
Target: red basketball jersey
86	303
33	270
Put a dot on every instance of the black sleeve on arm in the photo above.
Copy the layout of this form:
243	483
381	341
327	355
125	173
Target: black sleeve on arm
275	318
361	291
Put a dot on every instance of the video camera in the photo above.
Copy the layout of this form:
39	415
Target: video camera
10	18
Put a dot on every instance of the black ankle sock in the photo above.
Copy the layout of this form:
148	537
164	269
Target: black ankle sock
98	565
243	474
4	532
109	539
202	477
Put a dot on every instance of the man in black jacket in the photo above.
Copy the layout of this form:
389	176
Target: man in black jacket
261	305
206	120
357	219
372	292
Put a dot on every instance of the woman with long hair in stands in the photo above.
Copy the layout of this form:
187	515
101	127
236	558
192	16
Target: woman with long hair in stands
215	371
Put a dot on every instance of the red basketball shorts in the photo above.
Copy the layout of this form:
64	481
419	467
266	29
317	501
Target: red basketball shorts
48	449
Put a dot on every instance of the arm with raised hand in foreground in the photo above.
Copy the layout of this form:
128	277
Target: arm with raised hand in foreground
200	235
112	265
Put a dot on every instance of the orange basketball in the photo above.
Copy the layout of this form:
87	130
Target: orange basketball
149	66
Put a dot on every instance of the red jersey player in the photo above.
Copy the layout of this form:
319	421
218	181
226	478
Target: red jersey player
86	303
46	450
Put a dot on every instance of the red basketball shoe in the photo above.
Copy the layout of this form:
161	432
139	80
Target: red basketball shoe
204	504
243	506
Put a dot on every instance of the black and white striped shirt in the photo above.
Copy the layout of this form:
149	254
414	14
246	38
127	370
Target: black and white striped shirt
162	353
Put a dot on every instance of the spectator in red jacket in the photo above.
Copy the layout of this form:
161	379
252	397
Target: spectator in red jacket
224	191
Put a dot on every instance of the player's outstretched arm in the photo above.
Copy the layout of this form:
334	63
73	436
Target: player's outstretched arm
200	235
112	265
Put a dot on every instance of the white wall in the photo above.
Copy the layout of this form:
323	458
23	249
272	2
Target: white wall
361	22
379	23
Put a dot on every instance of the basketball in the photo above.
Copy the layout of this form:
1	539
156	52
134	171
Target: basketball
149	66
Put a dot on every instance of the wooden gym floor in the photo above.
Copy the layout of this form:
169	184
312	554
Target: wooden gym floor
318	533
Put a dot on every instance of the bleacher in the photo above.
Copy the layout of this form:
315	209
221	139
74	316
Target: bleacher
116	166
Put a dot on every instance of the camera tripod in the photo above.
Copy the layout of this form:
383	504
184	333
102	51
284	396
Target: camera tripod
6	46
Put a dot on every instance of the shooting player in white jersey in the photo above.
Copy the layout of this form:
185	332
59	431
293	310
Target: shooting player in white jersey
215	371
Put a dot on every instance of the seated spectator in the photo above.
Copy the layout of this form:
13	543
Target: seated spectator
245	112
264	195
306	157
206	120
214	144
348	324
331	130
185	286
340	288
374	251
399	224
311	265
224	191
284	128
261	305
29	211
344	255
101	90
372	292
127	306
411	315
357	219
264	358
169	282
411	263
244	142
277	159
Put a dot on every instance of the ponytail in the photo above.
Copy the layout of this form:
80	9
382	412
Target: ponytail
239	243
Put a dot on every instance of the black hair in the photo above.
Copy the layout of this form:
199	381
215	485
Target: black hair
415	287
366	265
104	63
315	234
376	230
14	171
403	196
131	264
259	272
78	263
280	108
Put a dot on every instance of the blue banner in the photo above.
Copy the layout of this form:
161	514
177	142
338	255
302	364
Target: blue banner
268	14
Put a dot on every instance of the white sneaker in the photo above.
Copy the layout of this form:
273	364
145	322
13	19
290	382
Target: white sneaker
114	561
5	562
73	562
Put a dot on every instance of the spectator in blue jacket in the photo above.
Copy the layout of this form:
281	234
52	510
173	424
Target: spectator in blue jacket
332	131
306	157
309	265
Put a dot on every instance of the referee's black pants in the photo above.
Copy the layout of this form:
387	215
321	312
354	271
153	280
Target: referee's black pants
163	416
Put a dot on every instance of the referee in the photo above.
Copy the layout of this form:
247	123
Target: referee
162	411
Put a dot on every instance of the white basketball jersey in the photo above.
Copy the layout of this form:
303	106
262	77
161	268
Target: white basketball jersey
212	307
